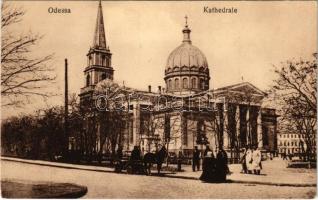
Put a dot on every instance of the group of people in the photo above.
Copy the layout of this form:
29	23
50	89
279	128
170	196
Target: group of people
214	168
251	161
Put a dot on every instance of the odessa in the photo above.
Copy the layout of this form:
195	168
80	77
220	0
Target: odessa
59	10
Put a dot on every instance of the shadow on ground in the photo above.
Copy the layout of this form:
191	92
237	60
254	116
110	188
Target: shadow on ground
23	189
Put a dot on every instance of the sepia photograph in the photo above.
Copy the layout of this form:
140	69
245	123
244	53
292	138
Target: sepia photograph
158	99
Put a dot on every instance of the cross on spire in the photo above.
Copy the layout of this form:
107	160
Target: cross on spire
186	20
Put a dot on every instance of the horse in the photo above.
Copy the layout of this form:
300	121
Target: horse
154	158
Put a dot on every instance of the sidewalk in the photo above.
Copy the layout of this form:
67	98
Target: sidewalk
274	173
61	165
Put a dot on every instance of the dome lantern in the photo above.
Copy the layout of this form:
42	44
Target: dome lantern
186	32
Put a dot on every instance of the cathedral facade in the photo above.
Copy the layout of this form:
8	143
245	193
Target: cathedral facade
183	114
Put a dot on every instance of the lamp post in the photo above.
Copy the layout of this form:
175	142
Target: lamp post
66	111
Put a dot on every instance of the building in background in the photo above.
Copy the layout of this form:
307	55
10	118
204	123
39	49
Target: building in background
183	114
292	143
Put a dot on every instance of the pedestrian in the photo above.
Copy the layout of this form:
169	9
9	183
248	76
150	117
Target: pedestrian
209	168
207	149
284	156
119	153
135	154
179	161
249	160
221	165
134	159
257	157
243	162
160	157
196	159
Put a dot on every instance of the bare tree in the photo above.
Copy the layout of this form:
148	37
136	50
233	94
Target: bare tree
22	75
112	115
294	92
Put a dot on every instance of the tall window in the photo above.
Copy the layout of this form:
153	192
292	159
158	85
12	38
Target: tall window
185	132
88	80
107	62
202	83
194	83
131	134
97	59
176	83
170	84
103	60
185	83
201	133
167	128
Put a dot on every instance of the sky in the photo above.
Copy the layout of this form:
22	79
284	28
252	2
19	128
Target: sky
142	34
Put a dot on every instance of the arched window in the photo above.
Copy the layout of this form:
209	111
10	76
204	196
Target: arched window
194	83
185	83
176	83
88	80
170	84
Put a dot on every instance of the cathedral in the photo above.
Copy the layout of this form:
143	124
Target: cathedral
183	114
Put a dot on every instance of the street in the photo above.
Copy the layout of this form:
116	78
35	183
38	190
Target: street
111	185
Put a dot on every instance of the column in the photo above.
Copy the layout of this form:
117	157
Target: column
136	124
248	126
259	129
98	137
237	120
225	126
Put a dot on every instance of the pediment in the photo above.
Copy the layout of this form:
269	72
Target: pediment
242	88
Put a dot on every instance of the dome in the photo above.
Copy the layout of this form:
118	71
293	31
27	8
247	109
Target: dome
186	55
187	70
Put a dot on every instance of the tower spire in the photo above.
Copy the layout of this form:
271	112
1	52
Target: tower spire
186	32
99	36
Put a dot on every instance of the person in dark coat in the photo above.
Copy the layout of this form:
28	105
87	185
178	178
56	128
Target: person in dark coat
221	165
135	154
161	155
134	158
243	162
209	168
196	159
119	153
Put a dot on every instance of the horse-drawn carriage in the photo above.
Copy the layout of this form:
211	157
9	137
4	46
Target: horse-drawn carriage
142	165
130	166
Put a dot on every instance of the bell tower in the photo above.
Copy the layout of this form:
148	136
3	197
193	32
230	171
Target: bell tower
99	65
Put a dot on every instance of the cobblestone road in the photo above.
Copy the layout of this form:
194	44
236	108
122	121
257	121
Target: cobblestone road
110	185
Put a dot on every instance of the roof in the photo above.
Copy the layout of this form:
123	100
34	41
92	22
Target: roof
240	86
